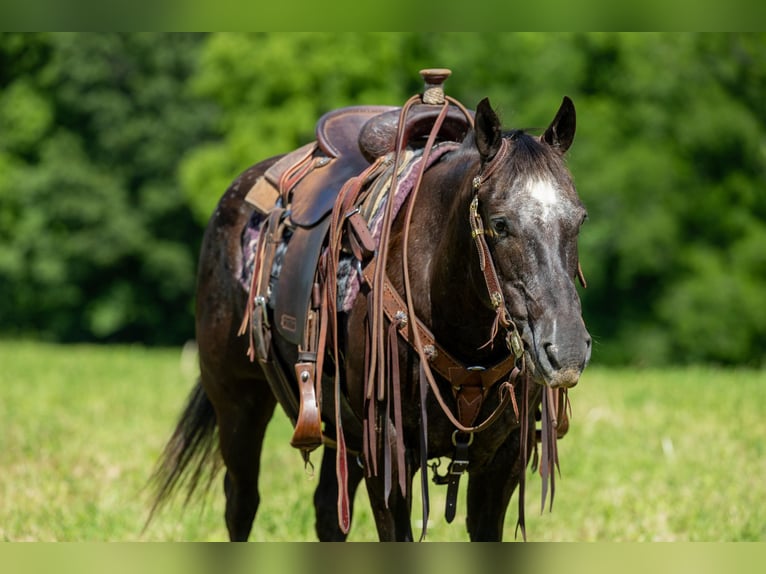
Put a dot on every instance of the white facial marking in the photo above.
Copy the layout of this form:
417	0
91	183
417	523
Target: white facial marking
545	193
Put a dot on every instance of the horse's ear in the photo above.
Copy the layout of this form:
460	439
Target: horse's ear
488	130
560	133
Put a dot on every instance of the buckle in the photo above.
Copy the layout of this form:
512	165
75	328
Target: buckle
458	467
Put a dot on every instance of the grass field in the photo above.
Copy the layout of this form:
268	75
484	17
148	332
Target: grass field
672	455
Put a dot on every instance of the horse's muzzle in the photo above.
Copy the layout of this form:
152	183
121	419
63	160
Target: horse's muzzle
559	364
564	379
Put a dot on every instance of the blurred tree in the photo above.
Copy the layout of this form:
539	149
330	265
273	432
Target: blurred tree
114	150
273	87
98	242
672	167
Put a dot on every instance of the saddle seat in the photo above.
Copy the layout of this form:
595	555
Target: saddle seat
308	179
348	140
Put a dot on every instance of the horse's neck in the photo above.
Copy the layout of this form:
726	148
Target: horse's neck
445	266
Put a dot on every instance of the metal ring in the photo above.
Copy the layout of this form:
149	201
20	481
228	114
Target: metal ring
454	437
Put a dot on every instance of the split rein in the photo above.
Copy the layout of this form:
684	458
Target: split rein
470	385
515	363
476	381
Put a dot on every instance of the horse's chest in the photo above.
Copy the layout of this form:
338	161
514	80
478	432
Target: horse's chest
441	434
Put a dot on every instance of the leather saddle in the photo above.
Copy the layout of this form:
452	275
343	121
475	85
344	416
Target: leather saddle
348	140
302	188
308	180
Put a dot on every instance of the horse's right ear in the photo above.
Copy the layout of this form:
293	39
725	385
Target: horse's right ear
487	130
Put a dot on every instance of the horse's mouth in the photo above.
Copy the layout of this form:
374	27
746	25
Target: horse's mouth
565	378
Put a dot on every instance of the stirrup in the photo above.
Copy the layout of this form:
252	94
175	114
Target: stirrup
308	428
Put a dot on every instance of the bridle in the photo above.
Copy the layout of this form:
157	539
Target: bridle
470	384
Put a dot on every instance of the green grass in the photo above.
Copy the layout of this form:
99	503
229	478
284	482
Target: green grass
651	455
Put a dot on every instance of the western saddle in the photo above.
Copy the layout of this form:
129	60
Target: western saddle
296	197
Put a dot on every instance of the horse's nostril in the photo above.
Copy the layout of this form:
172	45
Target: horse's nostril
552	351
588	349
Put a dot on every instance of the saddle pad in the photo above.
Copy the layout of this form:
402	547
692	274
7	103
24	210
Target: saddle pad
374	207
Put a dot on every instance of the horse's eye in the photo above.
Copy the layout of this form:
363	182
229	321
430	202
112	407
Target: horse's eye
500	226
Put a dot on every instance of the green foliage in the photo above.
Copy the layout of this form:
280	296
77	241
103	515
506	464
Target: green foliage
271	89
678	189
114	149
98	243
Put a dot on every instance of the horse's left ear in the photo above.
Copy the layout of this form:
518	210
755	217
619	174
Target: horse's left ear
560	133
488	130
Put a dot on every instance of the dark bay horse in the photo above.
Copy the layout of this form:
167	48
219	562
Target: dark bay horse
511	188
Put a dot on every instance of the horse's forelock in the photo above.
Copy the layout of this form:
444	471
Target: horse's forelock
529	159
528	154
531	156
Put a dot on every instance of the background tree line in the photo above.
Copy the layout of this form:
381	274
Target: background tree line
114	149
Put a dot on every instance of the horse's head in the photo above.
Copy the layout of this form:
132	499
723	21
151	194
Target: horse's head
532	215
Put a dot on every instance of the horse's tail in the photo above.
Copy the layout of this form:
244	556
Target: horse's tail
191	453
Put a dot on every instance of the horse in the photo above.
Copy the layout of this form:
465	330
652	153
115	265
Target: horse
484	257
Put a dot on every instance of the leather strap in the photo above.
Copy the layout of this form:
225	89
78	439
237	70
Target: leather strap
457	467
470	385
255	321
329	327
485	257
494	288
426	506
360	238
291	176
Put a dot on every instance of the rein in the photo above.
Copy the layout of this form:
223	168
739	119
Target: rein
428	352
383	446
464	394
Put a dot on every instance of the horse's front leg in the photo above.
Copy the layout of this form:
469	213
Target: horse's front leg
326	496
490	489
393	519
392	516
